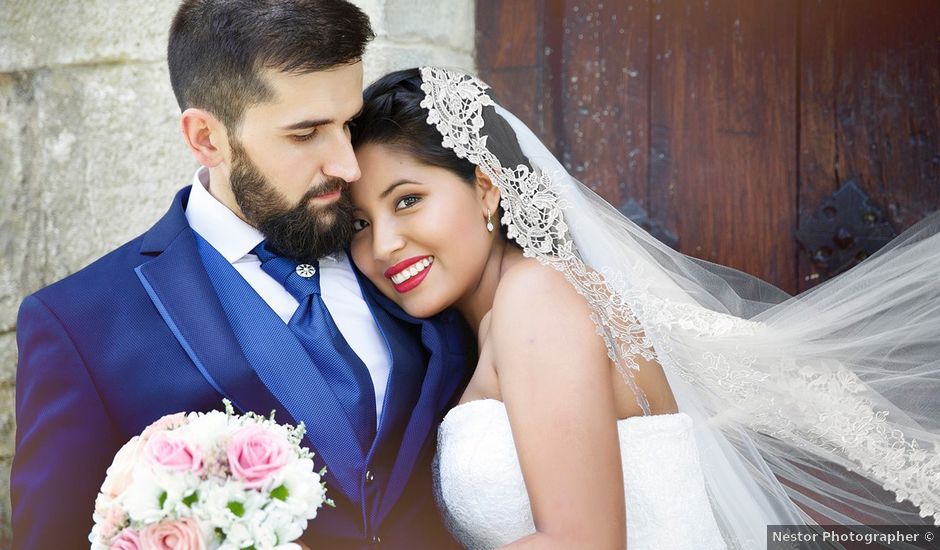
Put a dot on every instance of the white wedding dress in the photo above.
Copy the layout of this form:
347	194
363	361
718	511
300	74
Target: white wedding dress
481	492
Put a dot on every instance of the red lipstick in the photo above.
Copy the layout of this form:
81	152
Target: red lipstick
403	265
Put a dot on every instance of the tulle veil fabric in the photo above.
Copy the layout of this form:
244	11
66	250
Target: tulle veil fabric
822	407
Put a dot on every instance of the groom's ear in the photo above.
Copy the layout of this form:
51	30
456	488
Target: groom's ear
205	135
487	190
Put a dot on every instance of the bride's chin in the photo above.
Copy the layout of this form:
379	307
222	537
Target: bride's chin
422	309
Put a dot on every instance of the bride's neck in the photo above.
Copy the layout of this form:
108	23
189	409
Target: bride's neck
479	300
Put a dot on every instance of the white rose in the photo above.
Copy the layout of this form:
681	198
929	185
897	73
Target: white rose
119	473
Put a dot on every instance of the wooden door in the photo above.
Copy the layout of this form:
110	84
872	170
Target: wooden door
729	124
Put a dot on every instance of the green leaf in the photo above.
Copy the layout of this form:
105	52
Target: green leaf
237	508
280	492
162	499
191	499
252	547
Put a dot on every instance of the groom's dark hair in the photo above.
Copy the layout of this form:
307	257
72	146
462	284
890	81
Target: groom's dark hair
217	48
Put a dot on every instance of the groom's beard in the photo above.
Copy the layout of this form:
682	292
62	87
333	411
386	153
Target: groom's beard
306	231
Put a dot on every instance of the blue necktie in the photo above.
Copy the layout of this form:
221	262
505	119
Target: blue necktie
313	325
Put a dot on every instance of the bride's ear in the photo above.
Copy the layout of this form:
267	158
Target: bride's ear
487	191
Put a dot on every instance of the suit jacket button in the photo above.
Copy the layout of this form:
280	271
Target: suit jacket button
376	539
369	476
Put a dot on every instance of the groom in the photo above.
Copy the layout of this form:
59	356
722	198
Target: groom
243	291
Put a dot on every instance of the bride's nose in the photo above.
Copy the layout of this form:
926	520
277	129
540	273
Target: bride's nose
386	241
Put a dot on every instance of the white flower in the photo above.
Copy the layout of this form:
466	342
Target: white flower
304	490
238	534
214	504
142	498
286	526
208	431
262	534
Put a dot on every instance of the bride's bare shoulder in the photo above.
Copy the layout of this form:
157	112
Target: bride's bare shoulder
529	280
536	301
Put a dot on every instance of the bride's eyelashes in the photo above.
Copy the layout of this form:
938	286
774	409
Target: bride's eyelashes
359	224
403	203
407	202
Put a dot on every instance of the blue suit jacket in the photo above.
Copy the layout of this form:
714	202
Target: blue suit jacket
140	333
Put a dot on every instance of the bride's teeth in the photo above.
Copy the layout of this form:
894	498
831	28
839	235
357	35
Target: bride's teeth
410	272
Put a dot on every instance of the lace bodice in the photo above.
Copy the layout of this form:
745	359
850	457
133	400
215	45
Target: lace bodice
481	491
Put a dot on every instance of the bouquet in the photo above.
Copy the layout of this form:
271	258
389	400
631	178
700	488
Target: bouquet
209	481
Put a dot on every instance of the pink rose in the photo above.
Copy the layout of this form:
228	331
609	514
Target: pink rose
182	534
165	423
173	453
113	520
127	540
254	454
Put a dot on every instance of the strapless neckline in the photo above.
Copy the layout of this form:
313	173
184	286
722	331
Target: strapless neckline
679	419
481	491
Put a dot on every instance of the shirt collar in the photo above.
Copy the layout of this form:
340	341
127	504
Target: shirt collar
231	236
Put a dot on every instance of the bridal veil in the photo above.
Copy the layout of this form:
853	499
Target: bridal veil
818	408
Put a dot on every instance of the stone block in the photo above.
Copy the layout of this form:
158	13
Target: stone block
385	56
50	33
7	421
105	159
6	535
19	213
8	356
375	9
443	23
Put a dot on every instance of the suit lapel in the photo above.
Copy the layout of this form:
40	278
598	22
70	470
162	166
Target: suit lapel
181	291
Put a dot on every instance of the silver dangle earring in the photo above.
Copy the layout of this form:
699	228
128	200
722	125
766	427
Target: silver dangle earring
489	223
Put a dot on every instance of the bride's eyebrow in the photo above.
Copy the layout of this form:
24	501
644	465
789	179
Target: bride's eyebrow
392	187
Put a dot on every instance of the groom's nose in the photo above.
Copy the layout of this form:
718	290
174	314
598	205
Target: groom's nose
341	160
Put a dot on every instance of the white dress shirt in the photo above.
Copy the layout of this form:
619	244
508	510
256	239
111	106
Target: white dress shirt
234	239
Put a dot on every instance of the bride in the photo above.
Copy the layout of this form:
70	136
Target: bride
625	392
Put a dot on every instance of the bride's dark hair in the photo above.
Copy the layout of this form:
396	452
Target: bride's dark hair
392	115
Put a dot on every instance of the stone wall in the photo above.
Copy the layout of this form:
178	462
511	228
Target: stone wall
90	151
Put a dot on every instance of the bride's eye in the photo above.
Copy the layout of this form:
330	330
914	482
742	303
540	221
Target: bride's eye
359	224
407	202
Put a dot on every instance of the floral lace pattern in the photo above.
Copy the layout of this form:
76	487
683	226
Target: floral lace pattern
533	214
841	420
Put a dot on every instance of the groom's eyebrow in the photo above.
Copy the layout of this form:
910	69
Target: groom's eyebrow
390	188
308	124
